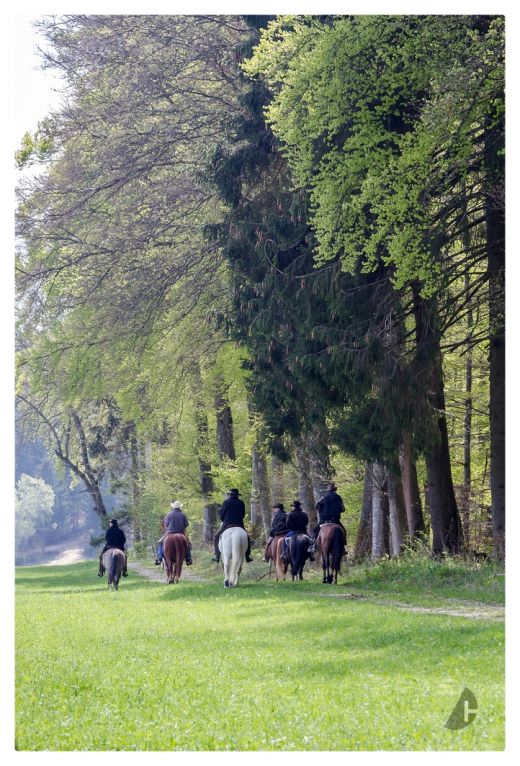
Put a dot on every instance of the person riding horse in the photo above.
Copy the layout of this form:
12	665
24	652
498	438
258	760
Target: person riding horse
115	538
175	521
232	514
329	508
297	521
278	527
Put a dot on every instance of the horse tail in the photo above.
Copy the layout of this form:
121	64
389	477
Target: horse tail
180	555
112	575
296	553
337	549
238	549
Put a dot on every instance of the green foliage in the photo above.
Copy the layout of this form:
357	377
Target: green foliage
36	147
417	578
33	507
134	275
374	113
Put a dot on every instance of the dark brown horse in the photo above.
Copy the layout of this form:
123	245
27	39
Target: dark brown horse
175	547
297	548
331	542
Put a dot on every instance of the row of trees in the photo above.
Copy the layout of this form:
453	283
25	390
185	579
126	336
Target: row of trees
264	251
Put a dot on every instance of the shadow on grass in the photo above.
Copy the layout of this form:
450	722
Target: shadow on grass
334	643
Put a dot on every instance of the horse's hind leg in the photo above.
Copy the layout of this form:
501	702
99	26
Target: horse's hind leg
324	566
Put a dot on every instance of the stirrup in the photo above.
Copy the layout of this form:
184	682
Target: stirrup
189	563
249	558
215	558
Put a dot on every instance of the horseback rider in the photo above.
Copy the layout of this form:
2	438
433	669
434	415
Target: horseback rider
232	514
297	521
329	508
278	527
174	522
115	538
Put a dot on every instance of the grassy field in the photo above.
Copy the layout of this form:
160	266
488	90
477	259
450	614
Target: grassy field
268	666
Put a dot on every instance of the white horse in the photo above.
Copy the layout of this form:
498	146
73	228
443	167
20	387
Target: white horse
232	545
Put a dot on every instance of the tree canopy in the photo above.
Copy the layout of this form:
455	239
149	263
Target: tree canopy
257	236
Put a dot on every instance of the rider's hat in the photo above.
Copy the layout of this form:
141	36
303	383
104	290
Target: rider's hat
234	491
176	504
278	505
297	505
113	521
331	486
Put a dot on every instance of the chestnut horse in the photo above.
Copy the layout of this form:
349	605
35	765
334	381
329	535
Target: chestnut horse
175	547
331	542
114	563
275	551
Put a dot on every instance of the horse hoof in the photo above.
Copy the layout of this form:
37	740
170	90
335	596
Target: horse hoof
226	584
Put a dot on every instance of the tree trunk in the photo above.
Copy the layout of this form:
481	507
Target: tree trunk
136	485
379	508
468	406
225	441
412	496
261	510
495	234
364	534
202	447
87	474
444	514
277	480
319	460
397	514
305	491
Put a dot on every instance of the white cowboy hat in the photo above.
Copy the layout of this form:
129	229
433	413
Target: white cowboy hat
176	504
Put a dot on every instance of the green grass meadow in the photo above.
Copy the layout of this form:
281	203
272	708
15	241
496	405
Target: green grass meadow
267	666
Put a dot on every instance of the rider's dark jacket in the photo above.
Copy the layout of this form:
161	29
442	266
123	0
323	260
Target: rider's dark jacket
278	524
330	507
297	521
233	511
115	538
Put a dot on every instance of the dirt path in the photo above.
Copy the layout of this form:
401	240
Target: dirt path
474	610
70	556
157	573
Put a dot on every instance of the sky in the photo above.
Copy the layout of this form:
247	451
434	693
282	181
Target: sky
36	92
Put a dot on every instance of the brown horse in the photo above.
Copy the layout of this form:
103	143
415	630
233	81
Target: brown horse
114	563
331	542
175	547
280	565
297	548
